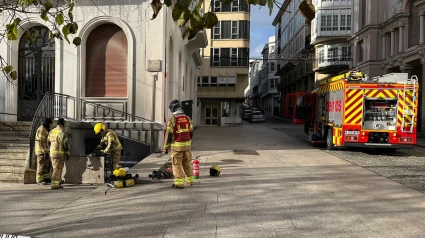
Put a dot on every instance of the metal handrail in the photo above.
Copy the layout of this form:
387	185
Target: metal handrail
56	105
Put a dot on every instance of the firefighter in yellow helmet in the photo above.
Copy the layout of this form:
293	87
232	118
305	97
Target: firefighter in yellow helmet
179	134
59	151
42	152
113	144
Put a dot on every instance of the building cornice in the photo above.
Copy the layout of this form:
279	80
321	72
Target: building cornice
364	30
394	21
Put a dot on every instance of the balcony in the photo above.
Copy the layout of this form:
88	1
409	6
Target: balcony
331	65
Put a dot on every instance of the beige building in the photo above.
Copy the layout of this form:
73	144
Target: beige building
389	36
224	73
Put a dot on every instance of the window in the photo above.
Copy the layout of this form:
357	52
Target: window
349	22
273	83
216	57
323	23
225	57
234	30
225	29
213	81
199	81
332	54
335	21
234	6
414	25
229	56
205	80
272	68
231	30
234	57
329	23
321	55
346	53
343	23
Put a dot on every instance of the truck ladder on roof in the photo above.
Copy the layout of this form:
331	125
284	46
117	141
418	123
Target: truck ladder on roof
409	105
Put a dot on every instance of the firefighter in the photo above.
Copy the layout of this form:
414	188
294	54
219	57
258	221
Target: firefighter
179	134
59	151
113	144
42	152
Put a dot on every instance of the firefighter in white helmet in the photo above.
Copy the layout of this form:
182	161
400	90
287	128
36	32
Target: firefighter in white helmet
179	134
113	144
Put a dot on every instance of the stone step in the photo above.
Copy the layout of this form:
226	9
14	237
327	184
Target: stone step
13	139
16	123
12	162
12	179
20	134
13	156
12	170
6	144
13	150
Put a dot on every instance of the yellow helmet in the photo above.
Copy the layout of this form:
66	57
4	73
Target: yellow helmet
120	172
99	127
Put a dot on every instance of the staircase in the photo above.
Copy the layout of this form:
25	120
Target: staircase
14	148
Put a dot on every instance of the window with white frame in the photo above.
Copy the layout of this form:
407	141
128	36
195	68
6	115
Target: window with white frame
321	55
272	67
335	23
231	30
274	82
234	6
229	57
333	54
346	53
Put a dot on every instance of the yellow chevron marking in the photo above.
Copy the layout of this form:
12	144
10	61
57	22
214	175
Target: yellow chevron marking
354	106
352	115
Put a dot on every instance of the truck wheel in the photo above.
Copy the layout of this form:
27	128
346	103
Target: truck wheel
329	140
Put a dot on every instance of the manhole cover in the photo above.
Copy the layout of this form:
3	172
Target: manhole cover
231	160
245	152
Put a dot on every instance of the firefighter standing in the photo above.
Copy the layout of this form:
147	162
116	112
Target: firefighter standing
179	134
113	144
59	151
42	152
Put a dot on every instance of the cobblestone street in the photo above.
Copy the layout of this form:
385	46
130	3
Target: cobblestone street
406	167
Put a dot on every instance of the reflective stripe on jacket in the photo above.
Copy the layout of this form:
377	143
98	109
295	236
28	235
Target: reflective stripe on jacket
176	146
59	145
111	139
41	141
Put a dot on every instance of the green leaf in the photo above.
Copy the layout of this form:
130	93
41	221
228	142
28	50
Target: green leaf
168	2
71	17
227	1
184	3
73	28
7	69
60	19
12	31
47	5
13	75
210	20
65	31
192	34
262	2
44	16
77	41
184	18
271	4
177	12
253	2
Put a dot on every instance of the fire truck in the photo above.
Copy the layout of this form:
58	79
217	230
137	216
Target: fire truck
353	110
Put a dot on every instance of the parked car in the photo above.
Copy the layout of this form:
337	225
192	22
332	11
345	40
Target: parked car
246	114
257	116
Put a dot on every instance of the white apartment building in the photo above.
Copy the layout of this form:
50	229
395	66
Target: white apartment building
330	30
269	96
254	78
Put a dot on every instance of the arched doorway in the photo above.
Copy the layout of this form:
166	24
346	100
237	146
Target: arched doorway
106	62
36	71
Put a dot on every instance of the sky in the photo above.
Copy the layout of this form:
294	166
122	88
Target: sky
261	28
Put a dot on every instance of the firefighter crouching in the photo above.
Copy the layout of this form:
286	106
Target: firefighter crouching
179	134
42	152
113	144
59	151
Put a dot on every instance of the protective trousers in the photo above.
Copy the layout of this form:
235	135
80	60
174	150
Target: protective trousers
43	168
182	167
58	164
116	155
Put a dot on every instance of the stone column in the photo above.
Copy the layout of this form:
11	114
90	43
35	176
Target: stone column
384	45
392	42
401	38
421	28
